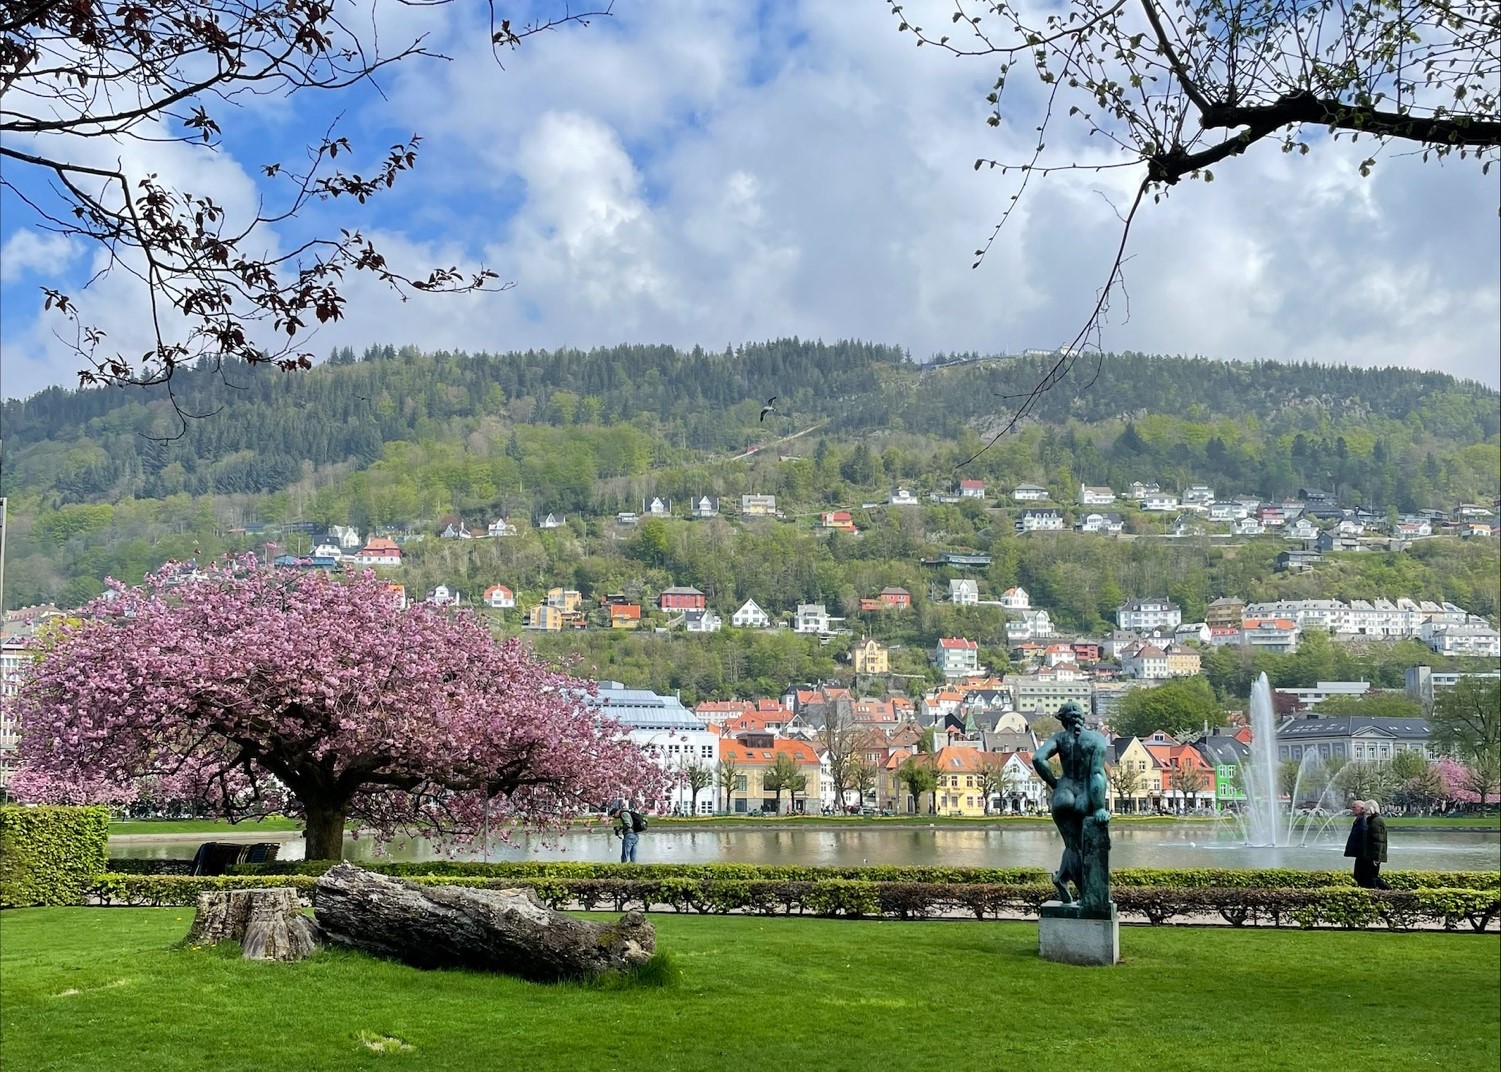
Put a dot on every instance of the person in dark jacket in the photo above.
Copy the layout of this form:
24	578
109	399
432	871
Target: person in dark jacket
1355	844
1375	846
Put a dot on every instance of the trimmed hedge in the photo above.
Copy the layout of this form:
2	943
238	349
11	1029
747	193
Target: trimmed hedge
1334	906
1216	878
49	855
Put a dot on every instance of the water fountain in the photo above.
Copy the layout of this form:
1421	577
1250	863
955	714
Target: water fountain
1266	819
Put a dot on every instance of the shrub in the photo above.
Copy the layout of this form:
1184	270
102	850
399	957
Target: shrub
49	855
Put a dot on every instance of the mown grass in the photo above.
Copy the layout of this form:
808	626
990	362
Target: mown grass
275	824
102	989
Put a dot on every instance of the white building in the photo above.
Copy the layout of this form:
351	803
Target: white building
1227	510
957	657
499	597
1089	496
1198	495
813	618
702	621
1465	640
1016	599
750	616
903	497
1039	521
1148	614
1029	493
1140	491
1096	522
1160	502
964	592
500	527
669	732
705	507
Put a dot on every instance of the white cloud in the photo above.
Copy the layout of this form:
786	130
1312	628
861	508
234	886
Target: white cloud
701	173
35	253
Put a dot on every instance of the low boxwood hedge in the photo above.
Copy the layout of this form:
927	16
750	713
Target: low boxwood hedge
1330	906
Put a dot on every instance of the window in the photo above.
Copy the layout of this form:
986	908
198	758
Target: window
969	781
740	783
707	751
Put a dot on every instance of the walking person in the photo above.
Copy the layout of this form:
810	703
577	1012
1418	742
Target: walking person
1375	845
628	826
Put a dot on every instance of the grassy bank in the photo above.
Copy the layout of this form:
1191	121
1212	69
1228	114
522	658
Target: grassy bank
208	827
91	989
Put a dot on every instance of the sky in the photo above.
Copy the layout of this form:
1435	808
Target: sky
721	171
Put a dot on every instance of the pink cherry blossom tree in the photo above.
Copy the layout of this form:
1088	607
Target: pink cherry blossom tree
261	690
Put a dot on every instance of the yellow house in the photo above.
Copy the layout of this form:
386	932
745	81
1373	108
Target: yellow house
1182	661
961	782
872	657
1148	786
565	599
545	617
754	755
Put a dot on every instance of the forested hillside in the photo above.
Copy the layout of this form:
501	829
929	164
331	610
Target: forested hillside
410	440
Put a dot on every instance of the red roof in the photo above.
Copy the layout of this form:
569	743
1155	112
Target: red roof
957	643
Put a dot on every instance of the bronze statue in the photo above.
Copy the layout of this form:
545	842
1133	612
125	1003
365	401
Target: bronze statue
1080	809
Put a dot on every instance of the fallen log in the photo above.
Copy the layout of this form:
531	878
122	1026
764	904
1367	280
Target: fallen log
268	923
501	930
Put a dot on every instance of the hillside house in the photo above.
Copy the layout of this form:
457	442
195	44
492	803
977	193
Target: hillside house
1148	614
1109	524
1160	502
1225	611
624	615
838	521
758	505
1016	599
627	518
903	497
1225	510
657	508
499	597
871	657
1089	496
500	527
750	616
813	618
544	618
957	657
705	507
972	489
1139	491
1247	526
1039	521
553	521
702	621
675	599
964	592
1198	495
1301	529
380	551
1029	493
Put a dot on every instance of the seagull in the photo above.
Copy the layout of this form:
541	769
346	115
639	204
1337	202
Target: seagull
769	407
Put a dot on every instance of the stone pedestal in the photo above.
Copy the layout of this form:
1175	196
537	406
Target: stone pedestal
1070	934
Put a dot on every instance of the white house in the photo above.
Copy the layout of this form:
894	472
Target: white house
903	497
657	508
702	621
327	547
553	521
972	489
1301	529
1140	491
1198	495
964	592
1145	661
443	596
499	597
1159	502
813	618
1021	789
1039	521
1089	496
1465	640
1247	526
750	616
1029	493
1227	510
705	507
1016	599
347	535
500	527
1029	625
1094	522
1148	614
957	657
627	517
1195	632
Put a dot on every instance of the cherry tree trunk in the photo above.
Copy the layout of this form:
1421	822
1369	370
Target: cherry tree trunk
507	930
268	923
324	833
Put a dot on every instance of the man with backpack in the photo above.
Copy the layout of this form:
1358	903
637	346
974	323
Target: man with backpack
629	823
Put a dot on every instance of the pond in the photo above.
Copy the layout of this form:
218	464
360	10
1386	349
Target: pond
1172	845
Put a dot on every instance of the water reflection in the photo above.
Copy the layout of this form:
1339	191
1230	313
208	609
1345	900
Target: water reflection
1182	845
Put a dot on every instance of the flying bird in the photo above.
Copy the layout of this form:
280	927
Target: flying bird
769	407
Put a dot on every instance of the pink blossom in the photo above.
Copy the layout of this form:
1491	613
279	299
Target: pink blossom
261	691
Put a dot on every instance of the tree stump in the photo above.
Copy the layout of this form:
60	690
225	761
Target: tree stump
507	930
268	923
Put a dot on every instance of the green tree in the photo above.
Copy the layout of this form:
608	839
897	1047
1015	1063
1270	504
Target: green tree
697	776
860	777
1374	704
730	775
1175	706
784	776
919	778
1466	724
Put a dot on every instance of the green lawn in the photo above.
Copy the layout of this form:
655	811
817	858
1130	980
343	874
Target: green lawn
85	989
204	826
